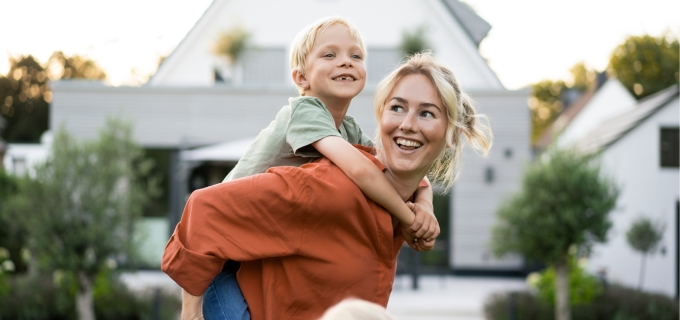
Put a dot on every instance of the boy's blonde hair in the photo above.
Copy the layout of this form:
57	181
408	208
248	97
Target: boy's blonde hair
304	41
464	124
356	309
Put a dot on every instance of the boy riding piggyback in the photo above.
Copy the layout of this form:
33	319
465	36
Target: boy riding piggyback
327	62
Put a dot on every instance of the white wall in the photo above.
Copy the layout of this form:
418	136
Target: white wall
646	189
380	21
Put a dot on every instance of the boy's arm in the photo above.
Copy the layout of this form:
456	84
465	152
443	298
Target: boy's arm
425	225
366	175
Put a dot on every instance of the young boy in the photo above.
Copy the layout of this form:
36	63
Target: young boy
327	60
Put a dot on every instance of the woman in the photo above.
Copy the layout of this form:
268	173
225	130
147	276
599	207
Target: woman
307	237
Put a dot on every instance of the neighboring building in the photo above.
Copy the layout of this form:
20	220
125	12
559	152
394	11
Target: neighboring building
639	150
607	98
196	99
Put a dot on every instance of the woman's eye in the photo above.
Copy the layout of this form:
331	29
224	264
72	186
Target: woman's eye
397	108
427	114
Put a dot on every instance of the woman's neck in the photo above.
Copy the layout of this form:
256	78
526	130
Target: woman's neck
405	184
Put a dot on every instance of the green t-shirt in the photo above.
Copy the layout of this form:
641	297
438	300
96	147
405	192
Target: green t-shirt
287	140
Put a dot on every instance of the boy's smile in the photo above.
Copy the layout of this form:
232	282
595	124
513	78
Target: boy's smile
335	70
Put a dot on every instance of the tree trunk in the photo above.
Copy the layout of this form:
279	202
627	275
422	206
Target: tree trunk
562	308
85	297
642	271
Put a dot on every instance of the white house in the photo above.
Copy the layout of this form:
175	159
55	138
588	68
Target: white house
639	149
196	99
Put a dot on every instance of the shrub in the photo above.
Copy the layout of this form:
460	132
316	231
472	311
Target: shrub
40	299
616	302
583	287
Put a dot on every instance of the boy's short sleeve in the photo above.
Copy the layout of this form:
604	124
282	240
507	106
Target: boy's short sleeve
310	121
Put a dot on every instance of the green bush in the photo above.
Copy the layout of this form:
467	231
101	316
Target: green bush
583	287
39	298
616	303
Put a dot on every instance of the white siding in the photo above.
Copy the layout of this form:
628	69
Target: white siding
474	201
646	189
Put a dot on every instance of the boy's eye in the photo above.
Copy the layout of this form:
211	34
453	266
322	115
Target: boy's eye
329	55
356	56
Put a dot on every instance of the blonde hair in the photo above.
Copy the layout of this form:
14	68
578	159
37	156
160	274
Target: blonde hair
462	118
356	309
304	41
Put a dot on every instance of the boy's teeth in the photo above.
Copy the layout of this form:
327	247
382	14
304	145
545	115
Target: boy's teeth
408	143
344	78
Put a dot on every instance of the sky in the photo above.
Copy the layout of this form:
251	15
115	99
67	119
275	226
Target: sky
530	40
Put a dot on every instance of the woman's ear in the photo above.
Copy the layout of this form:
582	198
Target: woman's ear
300	79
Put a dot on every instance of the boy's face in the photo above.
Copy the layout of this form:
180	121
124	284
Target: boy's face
335	66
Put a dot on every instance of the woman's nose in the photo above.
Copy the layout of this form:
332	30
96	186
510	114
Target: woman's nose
408	123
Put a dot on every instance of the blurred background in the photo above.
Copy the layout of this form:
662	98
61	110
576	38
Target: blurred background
168	95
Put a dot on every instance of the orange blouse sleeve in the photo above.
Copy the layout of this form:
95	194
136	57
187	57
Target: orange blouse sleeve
246	219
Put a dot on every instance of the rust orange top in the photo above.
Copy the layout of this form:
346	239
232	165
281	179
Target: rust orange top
307	238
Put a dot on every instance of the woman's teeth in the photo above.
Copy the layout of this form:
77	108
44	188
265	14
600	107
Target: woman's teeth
409	143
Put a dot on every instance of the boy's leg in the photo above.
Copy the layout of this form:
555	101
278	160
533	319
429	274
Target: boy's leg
223	300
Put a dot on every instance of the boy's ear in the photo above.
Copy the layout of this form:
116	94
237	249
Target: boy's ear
300	79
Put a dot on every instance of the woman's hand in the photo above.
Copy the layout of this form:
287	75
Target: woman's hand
192	306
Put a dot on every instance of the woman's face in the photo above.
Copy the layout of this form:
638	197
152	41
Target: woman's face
413	126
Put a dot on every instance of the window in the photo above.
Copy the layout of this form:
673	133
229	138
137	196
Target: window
265	66
670	155
380	62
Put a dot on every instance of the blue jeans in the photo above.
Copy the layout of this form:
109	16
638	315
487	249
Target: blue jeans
223	300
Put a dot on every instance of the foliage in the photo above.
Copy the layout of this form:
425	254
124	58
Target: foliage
42	298
232	43
646	64
616	302
25	95
583	287
84	202
12	238
564	202
644	235
546	100
414	41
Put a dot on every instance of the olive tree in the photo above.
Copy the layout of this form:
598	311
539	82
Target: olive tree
644	236
81	208
564	202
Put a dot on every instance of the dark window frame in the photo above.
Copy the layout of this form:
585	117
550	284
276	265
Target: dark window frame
669	146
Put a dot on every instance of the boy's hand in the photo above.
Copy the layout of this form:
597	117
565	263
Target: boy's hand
425	225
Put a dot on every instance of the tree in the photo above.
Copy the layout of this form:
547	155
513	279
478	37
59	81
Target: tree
414	41
644	236
232	43
25	95
546	100
83	205
564	202
646	64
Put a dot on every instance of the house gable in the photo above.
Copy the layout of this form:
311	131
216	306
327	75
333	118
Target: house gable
453	30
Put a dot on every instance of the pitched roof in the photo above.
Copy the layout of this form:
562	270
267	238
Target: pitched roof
564	119
476	27
616	127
